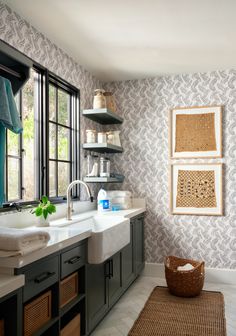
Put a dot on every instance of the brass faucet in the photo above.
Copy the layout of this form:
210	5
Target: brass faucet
69	200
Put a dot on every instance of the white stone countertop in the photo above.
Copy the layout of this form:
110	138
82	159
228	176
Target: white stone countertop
9	283
64	236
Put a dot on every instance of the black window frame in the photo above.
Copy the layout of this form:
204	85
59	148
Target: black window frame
73	137
47	77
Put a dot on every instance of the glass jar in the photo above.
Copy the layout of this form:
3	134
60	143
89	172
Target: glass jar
110	102
110	137
102	137
89	164
105	165
91	136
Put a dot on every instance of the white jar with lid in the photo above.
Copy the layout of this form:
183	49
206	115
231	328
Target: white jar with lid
91	136
99	100
102	137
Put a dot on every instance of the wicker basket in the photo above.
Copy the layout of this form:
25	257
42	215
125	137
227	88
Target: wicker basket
68	289
72	328
37	313
184	283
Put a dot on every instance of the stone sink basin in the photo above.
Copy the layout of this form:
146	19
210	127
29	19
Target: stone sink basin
109	234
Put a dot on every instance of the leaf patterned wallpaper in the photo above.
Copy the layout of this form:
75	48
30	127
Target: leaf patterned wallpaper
144	104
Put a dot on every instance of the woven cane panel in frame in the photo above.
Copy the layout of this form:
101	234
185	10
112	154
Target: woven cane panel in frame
196	189
195	132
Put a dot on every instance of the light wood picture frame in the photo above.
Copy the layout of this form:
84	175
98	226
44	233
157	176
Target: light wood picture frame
196	189
195	132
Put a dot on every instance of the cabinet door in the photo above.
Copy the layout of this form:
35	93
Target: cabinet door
115	284
139	245
127	260
97	293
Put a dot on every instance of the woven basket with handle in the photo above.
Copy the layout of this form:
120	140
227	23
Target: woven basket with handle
184	283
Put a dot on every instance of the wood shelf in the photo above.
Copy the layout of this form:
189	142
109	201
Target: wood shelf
102	180
71	304
103	148
47	326
103	116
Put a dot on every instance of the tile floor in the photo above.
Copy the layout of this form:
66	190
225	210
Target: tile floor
121	318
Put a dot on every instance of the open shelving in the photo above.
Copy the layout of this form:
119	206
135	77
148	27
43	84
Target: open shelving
102	180
103	116
103	148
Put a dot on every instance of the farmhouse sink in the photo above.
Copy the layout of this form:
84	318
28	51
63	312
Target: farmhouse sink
109	235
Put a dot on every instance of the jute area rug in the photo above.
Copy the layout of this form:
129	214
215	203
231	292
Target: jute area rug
166	314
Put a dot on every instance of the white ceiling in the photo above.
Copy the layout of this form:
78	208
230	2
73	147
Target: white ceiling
127	39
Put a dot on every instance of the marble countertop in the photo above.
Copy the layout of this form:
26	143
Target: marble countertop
64	236
9	283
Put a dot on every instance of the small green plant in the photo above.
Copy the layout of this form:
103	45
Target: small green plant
44	208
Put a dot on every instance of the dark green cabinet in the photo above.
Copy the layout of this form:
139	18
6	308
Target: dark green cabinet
97	293
63	276
11	314
100	286
115	284
127	253
104	287
106	282
138	245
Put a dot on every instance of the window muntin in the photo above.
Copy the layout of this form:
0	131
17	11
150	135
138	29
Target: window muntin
60	140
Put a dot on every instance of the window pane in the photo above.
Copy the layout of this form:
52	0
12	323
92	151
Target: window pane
63	143
13	143
63	107
52	179
63	177
28	118
52	141
13	179
52	103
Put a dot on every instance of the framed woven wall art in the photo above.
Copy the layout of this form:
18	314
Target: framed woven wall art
196	189
196	132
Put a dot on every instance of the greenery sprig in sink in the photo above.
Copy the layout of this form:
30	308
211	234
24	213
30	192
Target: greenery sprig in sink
43	210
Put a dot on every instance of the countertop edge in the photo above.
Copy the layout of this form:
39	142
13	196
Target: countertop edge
10	283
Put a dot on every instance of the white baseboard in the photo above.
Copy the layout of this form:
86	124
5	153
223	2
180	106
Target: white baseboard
213	275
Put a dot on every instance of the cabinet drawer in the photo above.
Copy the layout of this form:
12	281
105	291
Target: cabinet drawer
73	259
40	276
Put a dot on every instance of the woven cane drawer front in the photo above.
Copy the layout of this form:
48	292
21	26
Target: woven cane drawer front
68	289
72	328
40	276
72	260
1	327
37	313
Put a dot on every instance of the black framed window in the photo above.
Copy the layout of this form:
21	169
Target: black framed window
44	159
